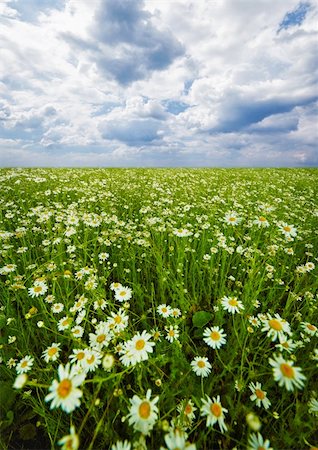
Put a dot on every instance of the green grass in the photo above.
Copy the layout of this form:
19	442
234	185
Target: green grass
133	215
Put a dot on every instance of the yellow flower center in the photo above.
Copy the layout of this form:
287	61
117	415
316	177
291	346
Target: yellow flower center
24	364
275	324
287	229
52	351
117	319
122	293
215	336
232	219
80	356
144	410
140	344
164	310
64	388
287	370
201	364
101	338
216	409
233	302
262	219
311	327
171	333
38	289
91	359
259	394
188	409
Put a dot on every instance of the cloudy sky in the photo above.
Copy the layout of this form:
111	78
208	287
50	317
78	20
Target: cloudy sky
158	83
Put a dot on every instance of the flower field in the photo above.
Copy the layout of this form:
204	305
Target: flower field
159	309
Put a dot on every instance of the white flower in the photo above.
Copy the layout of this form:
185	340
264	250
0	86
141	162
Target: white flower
177	440
309	328
182	232
214	337
71	441
287	230
214	412
65	393
261	221
123	294
276	327
172	333
143	413
92	360
286	374
201	366
164	310
51	353
20	381
231	304
136	349
39	288
232	218
257	442
258	395
121	445
25	364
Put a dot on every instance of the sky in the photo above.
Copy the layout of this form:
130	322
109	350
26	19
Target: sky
158	83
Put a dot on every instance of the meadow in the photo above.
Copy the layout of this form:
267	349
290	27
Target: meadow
159	309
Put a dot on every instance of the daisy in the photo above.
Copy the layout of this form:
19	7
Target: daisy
39	288
101	337
65	393
115	286
214	411
92	360
286	374
286	346
276	327
71	441
164	310
232	218
118	321
121	445
51	353
259	395
182	232
25	364
256	442
186	409
231	304
288	230
313	406
143	413
123	294
64	323
261	221
100	303
138	347
172	333
177	440
57	308
214	337
78	357
201	366
175	312
309	328
77	331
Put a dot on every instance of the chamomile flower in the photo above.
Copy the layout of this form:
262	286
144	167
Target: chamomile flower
287	345
123	294
257	442
276	327
309	328
56	308
214	337
286	374
175	312
172	333
137	348
186	410
93	359
313	406
231	304
261	221
177	440
77	331
39	288
101	337
78	357
64	323
258	395
214	412
201	366
25	364
182	232
65	393
52	352
115	286
118	320
232	218
143	413
287	230
71	441
121	445
164	310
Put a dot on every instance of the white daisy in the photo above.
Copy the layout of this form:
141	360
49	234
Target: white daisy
123	294
309	328
261	221
286	374
231	304
214	337
39	288
258	395
121	445
93	359
137	348
71	441
201	366
172	333
143	413
65	393
25	364
232	218
177	440
276	327
164	310
256	442
52	352
287	230
214	412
